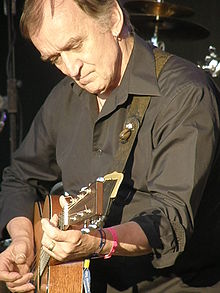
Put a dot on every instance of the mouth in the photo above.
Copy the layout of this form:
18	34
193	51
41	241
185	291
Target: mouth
85	79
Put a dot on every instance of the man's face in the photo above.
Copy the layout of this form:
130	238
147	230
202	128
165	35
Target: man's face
80	47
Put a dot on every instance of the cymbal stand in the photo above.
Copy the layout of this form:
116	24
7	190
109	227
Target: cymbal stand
10	11
154	39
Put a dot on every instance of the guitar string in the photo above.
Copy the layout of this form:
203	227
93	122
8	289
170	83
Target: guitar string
44	256
33	268
76	200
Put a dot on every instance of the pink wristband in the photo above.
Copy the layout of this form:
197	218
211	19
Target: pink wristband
115	242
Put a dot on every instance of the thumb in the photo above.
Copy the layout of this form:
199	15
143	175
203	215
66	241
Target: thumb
19	253
62	201
54	220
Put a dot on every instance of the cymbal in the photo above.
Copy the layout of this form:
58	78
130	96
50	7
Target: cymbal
168	27
152	8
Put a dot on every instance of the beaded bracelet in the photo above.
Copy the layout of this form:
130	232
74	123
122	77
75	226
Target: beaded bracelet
115	242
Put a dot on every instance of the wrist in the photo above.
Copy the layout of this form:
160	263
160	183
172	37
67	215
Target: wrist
114	243
102	240
25	230
106	242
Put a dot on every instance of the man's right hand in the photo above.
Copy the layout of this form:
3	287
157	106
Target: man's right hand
16	260
15	264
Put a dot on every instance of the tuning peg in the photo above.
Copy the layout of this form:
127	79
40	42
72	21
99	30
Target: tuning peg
85	230
212	52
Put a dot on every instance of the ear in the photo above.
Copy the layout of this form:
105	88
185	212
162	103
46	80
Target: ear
117	20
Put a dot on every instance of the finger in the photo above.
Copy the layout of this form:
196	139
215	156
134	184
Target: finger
54	220
25	279
46	241
19	253
22	285
53	254
52	232
23	288
49	229
62	201
9	276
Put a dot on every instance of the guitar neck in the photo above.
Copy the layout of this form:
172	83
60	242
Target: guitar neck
44	260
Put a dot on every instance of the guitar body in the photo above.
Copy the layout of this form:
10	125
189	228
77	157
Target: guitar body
56	277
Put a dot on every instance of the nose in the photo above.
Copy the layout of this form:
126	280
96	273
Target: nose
72	65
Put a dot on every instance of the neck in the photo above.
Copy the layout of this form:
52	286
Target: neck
126	46
100	103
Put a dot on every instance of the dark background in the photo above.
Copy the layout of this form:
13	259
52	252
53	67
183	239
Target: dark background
37	78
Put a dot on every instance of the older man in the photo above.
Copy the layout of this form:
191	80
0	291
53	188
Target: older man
74	139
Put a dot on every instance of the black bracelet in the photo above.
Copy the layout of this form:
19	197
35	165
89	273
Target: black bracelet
102	240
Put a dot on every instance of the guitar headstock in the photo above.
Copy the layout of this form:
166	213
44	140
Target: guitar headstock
212	62
87	207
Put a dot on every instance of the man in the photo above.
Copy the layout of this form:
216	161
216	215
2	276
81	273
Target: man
159	217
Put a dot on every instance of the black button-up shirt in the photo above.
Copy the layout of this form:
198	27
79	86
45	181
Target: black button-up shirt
169	167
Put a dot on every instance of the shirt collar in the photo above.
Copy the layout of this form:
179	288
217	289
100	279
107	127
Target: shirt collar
140	75
142	79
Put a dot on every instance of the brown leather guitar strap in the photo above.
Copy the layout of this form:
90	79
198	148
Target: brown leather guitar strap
132	124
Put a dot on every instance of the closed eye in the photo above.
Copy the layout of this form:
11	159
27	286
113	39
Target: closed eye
74	44
76	47
55	59
52	59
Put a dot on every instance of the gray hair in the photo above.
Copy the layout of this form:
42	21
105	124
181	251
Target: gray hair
33	14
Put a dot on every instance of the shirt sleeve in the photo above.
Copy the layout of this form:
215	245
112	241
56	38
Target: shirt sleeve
184	139
33	170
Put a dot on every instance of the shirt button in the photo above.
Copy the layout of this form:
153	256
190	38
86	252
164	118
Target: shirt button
99	152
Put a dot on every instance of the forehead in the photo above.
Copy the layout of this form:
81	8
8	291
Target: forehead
66	14
66	21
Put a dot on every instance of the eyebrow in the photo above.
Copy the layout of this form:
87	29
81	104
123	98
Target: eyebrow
71	43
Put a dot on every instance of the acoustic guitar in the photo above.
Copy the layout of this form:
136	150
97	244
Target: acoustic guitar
87	209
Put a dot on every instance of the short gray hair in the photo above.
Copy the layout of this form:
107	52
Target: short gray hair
32	16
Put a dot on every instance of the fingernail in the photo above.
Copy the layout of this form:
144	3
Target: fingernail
42	221
20	258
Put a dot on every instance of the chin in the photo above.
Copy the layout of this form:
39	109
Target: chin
95	90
